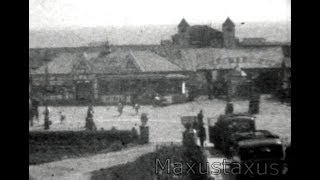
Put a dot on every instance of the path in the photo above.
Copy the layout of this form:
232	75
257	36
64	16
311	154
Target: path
80	168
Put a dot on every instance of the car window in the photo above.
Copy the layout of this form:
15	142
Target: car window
265	152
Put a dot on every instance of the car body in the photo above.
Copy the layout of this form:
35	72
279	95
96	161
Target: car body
226	126
264	156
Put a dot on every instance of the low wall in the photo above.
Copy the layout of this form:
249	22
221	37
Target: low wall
46	146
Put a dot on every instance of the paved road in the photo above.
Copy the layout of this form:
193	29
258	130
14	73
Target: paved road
80	168
164	125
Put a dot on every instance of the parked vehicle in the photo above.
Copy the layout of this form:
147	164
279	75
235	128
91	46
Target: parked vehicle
263	154
220	134
238	139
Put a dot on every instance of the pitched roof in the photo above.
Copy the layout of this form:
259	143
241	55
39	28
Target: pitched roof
114	63
219	58
228	22
66	63
151	62
183	23
60	65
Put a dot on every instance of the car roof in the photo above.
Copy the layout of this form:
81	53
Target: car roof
237	116
256	142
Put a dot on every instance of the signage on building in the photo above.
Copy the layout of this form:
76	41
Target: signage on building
115	99
242	61
83	77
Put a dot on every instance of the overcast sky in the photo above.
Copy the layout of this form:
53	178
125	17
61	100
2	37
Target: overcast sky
53	14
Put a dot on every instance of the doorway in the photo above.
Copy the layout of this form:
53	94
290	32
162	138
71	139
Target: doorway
84	91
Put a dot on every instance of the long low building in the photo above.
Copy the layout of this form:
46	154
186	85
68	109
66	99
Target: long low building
107	79
267	67
170	71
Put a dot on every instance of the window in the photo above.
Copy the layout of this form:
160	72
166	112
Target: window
174	87
104	87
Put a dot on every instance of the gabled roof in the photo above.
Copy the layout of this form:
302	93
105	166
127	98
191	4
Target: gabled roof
151	62
115	63
134	61
63	63
228	22
183	23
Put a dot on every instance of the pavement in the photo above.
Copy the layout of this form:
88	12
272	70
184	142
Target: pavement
81	168
165	126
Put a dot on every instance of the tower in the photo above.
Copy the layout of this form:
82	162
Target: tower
182	37
228	30
183	26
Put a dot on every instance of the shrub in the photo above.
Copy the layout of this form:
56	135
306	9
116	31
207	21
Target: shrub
46	146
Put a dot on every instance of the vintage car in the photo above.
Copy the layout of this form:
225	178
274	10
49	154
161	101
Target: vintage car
220	133
258	156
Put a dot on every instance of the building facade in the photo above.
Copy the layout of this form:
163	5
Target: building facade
116	77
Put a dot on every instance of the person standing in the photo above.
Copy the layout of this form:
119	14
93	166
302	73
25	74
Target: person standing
202	135
30	113
134	99
137	107
229	108
201	128
62	117
90	125
254	102
47	121
35	109
200	118
120	108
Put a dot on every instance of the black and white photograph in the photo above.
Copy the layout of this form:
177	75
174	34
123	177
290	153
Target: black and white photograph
159	89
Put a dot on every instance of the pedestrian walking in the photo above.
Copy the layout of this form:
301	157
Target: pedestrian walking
200	118
134	99
229	108
202	135
35	109
47	121
90	125
62	117
200	128
30	113
254	104
120	108
137	107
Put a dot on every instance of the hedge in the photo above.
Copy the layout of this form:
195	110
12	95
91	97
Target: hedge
46	146
145	166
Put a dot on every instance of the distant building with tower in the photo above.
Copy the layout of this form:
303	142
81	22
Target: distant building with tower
205	36
198	60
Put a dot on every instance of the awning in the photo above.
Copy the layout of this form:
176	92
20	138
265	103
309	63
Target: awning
132	76
176	76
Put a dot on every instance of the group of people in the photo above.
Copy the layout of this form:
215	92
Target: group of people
90	125
136	106
34	114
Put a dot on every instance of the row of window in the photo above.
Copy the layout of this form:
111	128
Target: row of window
136	86
117	87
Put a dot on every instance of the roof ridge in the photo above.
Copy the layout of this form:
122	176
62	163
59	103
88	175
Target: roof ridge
135	61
